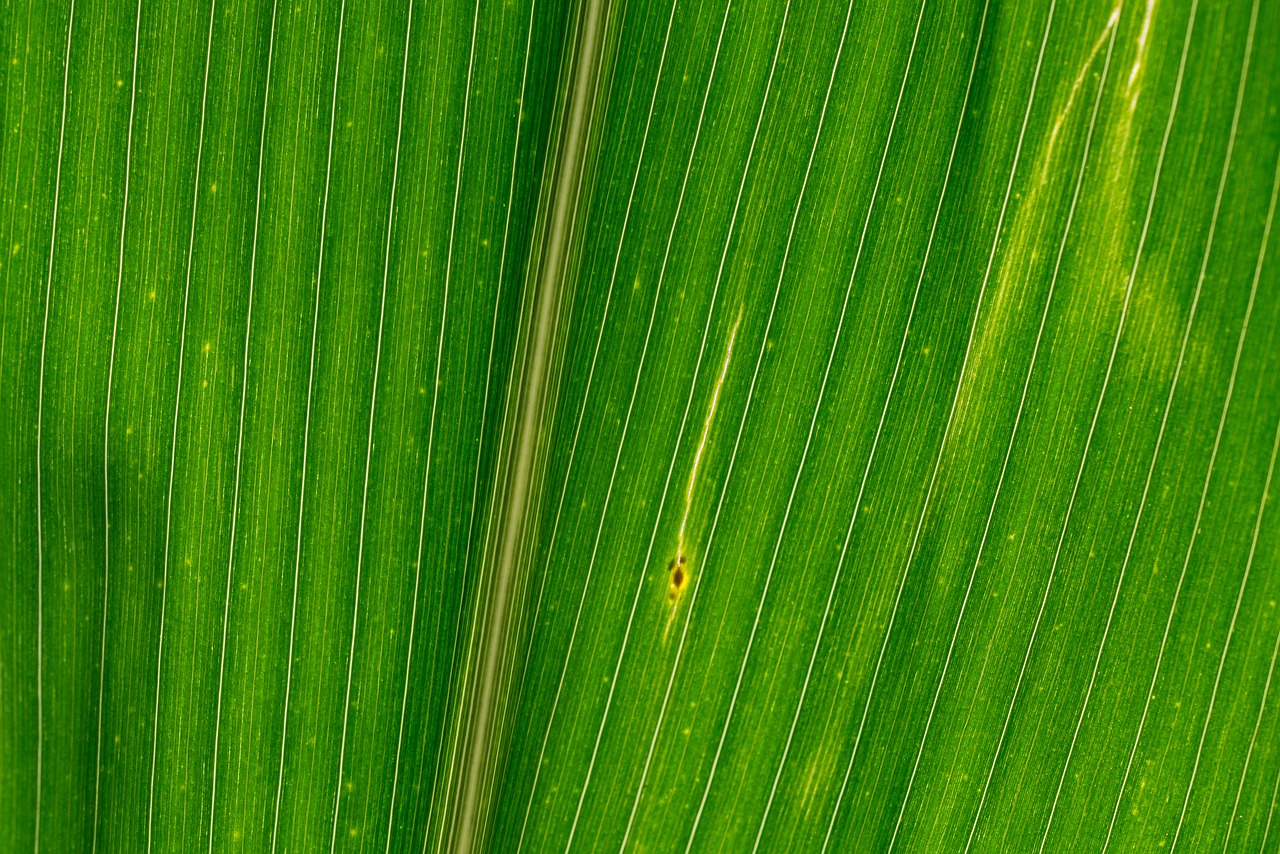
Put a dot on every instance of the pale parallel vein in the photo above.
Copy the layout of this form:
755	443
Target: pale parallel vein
426	483
444	317
106	430
1053	284
1262	707
44	340
946	433
177	408
573	448
426	477
1115	345
724	254
1208	477
1253	545
1222	420
866	471
244	394
373	408
306	432
40	437
1266	489
813	421
1275	794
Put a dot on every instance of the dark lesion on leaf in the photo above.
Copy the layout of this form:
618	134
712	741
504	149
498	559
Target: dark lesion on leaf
679	577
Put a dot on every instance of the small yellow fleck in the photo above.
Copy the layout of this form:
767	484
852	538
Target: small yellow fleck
213	188
484	242
119	83
151	295
16	248
207	347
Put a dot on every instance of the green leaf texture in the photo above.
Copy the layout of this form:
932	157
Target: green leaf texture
905	480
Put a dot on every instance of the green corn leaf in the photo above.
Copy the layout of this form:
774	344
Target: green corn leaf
646	425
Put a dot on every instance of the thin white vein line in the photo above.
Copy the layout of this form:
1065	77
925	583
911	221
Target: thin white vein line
368	454
684	422
448	279
244	389
1115	345
488	377
955	399
724	254
426	482
844	549
493	332
106	430
502	274
1275	792
635	388
1253	739
626	219
813	422
499	704
44	339
173	441
1222	418
417	577
564	202
502	266
1195	301
1253	545
1062	245
306	433
555	528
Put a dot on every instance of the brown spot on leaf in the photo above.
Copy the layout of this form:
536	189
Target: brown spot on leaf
679	577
